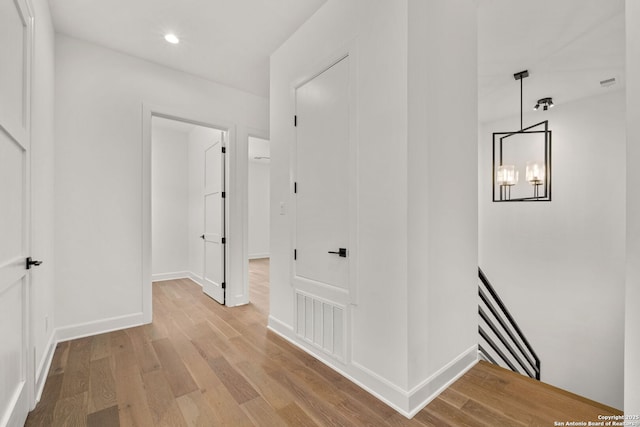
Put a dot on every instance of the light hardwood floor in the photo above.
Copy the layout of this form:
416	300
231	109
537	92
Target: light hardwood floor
202	364
259	284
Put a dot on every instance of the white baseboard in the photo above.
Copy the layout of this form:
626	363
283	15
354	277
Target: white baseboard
280	328
45	364
422	394
406	402
259	255
159	277
197	279
99	327
16	408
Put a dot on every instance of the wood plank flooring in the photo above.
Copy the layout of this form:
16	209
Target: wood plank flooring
259	284
202	364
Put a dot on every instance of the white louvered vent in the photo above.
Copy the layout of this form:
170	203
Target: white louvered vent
321	324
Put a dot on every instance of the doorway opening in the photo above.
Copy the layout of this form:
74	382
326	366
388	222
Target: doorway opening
258	204
188	226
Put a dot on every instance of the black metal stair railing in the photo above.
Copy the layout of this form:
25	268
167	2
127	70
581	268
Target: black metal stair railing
506	343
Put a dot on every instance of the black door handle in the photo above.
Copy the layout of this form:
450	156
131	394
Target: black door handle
342	252
31	262
202	237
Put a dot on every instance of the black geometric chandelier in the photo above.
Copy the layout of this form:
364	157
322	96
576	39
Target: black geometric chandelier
527	150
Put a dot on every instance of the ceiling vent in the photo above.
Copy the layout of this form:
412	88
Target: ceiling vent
608	82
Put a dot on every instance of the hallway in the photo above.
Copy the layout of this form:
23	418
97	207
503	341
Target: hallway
203	364
198	363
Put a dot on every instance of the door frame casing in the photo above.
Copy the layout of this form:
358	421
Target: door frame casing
244	156
197	118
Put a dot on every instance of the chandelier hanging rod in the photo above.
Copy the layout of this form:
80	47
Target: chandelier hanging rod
520	76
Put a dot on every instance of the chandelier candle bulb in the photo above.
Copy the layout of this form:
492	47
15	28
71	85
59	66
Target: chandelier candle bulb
507	175
535	176
535	173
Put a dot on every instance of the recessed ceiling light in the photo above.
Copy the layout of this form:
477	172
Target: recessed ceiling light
172	38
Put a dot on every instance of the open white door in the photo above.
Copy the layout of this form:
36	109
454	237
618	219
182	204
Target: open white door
214	221
16	371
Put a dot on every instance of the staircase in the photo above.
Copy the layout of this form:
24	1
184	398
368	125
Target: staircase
501	340
504	388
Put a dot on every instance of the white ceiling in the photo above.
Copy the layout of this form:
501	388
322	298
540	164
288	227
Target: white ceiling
568	46
226	41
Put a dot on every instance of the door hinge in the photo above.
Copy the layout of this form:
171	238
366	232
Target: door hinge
224	240
224	150
295	120
295	254
224	194
224	285
295	187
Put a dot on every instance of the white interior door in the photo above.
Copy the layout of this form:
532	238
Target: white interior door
214	221
16	376
322	181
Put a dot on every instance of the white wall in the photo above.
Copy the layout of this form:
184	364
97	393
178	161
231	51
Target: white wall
199	139
99	213
442	210
632	319
381	31
559	265
258	207
42	187
170	202
398	361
